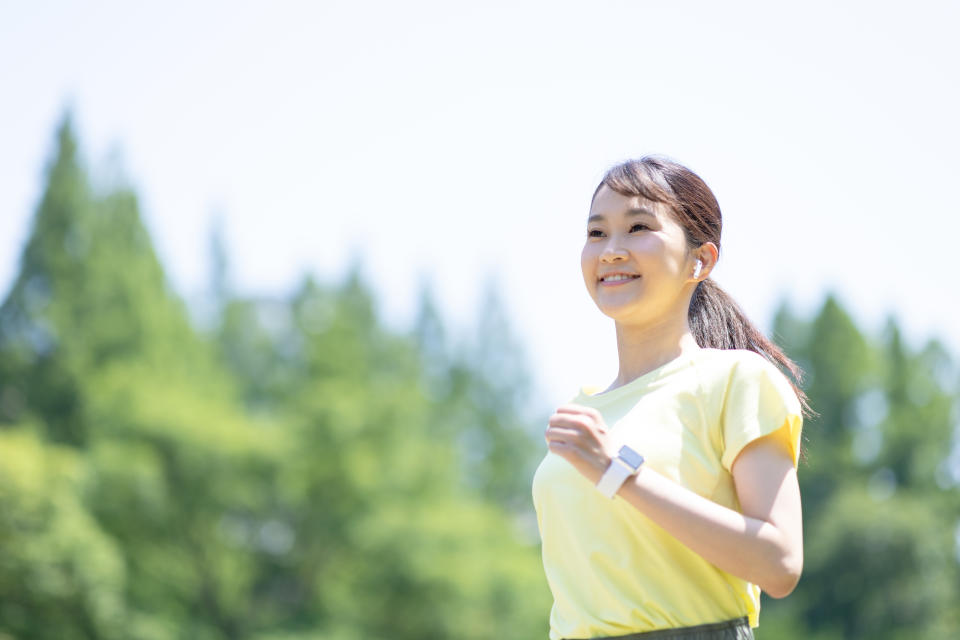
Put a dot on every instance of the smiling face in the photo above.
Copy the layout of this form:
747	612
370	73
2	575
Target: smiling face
636	263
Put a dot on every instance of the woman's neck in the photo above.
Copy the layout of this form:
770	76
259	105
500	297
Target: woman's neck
643	349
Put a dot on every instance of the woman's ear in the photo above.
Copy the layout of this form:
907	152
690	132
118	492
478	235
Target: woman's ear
706	255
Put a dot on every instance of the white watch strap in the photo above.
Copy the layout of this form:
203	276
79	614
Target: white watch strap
613	478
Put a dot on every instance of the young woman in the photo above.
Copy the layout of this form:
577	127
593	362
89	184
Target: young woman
668	500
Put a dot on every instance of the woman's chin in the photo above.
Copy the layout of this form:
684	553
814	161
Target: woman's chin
620	313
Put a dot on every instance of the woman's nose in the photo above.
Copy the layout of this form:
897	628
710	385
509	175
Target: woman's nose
613	251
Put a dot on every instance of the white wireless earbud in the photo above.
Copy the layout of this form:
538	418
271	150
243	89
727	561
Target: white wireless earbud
696	270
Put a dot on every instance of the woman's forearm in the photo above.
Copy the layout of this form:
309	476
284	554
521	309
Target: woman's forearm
751	548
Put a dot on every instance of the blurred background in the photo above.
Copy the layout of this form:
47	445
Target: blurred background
289	290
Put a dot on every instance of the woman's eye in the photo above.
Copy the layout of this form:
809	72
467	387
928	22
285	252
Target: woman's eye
594	233
638	226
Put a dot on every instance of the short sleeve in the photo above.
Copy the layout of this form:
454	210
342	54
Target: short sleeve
759	400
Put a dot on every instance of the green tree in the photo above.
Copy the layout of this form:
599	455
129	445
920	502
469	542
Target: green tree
99	354
377	490
879	504
61	576
487	394
89	292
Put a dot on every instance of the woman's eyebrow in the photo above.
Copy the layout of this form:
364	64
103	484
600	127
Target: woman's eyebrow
636	211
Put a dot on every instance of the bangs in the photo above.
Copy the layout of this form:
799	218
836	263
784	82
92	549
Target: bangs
638	178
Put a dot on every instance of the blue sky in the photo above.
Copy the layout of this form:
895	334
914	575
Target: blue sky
457	140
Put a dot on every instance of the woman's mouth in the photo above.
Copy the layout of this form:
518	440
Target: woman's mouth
617	280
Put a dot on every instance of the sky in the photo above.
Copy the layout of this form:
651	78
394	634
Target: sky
458	142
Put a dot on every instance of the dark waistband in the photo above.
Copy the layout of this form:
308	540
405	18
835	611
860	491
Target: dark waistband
736	629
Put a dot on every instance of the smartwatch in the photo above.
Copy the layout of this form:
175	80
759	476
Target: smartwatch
622	467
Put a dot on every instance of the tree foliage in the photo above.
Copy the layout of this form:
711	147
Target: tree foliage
296	471
880	499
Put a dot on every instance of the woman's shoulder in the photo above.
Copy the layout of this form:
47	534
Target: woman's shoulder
724	366
732	375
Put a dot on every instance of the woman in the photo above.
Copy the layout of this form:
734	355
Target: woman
668	500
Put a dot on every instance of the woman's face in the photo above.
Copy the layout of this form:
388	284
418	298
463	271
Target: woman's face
635	261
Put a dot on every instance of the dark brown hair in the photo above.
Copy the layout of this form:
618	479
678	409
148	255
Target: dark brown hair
716	321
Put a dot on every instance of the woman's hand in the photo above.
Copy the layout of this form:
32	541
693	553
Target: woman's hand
578	434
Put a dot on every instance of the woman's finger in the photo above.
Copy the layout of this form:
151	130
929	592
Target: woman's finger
569	421
559	433
579	408
558	447
589	415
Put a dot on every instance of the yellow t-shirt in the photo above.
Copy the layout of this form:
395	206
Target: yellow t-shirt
613	571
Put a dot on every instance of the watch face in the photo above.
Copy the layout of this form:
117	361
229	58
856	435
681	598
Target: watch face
630	456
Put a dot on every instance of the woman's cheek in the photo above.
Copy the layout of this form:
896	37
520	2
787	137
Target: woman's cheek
587	267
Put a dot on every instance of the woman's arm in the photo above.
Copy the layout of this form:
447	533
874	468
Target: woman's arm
763	544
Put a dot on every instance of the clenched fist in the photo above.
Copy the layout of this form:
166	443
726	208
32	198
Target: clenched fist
579	435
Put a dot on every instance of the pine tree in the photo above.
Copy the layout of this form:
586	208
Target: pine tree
38	367
90	293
